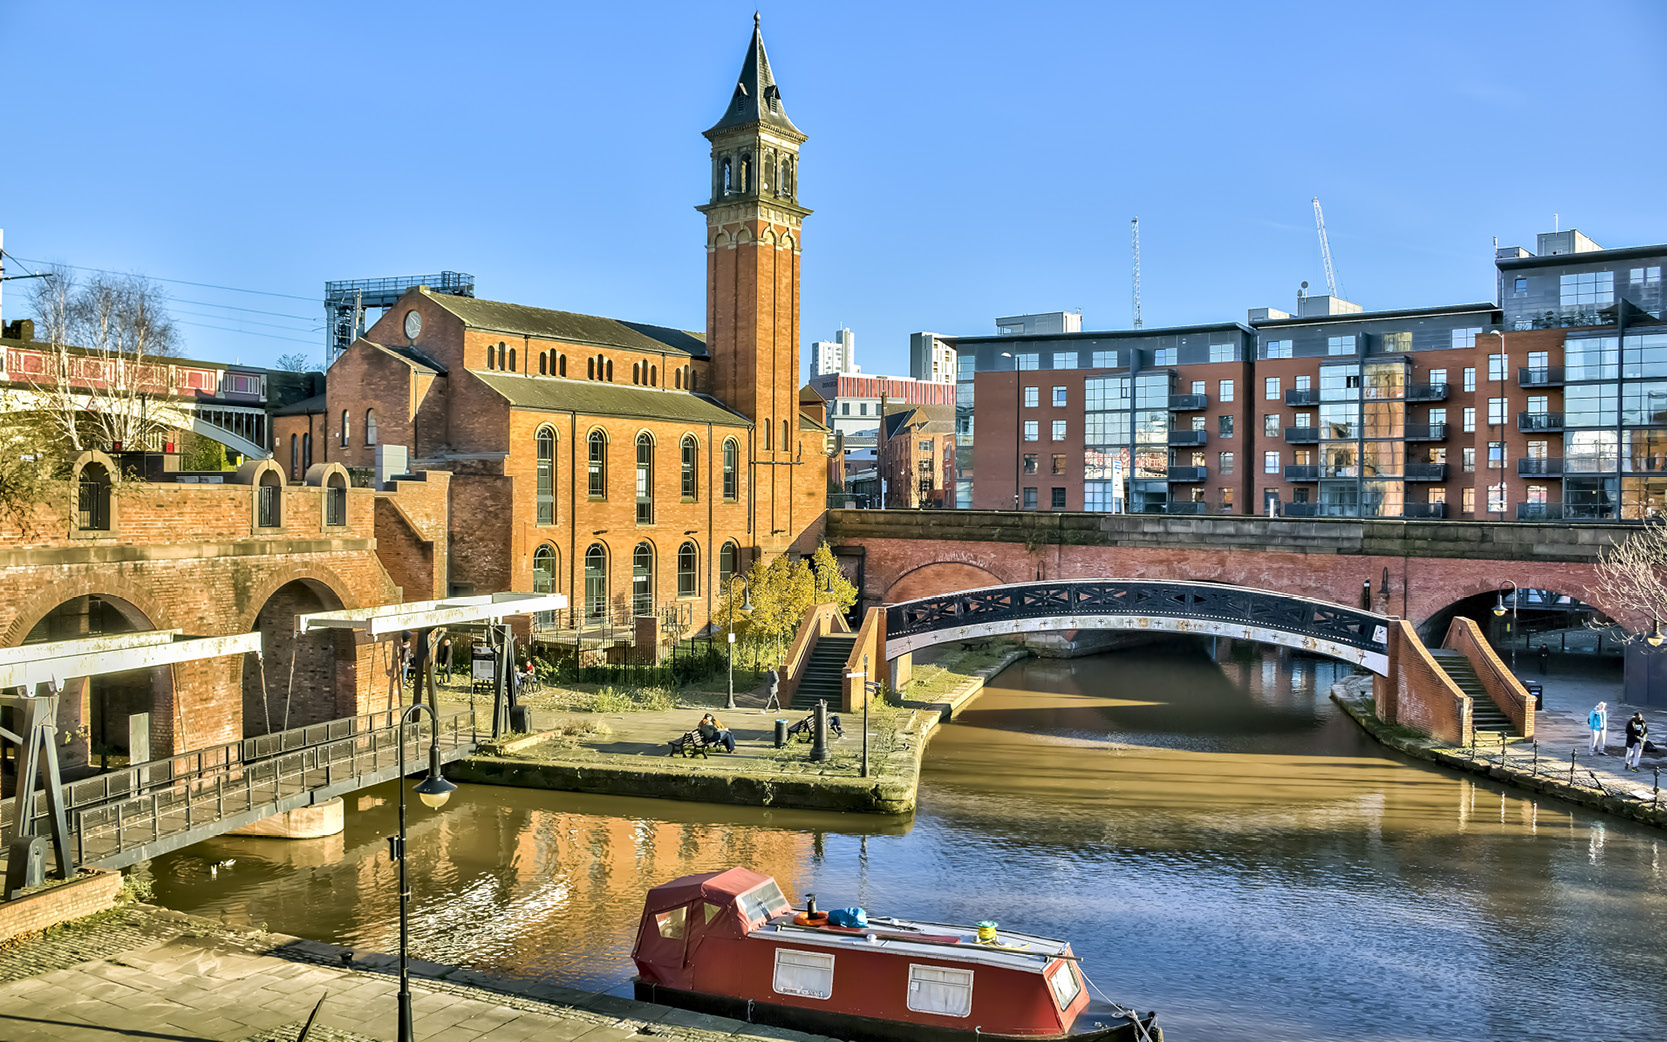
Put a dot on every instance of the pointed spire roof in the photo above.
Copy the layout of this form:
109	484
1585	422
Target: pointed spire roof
757	99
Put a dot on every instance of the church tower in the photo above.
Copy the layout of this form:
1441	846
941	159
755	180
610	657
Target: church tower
753	224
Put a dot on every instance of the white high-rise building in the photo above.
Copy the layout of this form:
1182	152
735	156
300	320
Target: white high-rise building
931	359
838	355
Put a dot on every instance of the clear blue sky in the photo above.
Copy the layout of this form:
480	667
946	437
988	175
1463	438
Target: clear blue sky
965	160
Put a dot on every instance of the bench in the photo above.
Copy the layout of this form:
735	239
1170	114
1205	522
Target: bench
690	744
805	729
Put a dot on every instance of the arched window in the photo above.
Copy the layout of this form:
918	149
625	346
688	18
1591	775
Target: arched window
636	372
786	437
688	569
653	376
598	466
543	362
344	426
544	581
268	501
645	480
512	360
727	184
691	380
610	365
295	457
561	365
787	177
677	380
93	493
501	356
335	500
491	357
596	583
591	373
746	174
642	580
726	566
690	466
306	451
731	470
768	427
546	476
768	174
370	426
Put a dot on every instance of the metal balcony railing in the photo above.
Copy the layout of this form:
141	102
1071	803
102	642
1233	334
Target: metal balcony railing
1302	435
1186	474
1188	437
1427	510
1426	432
1539	511
1543	467
1539	421
1300	510
1540	376
1185	507
1302	396
1188	402
1427	392
1302	472
1426	472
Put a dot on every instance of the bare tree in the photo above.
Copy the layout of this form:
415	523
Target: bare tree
1632	579
100	378
294	362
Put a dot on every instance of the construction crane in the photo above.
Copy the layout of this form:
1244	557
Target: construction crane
1136	225
1325	249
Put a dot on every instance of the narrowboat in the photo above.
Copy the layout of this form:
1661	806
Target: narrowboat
729	943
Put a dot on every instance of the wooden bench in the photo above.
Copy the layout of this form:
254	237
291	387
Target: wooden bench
690	744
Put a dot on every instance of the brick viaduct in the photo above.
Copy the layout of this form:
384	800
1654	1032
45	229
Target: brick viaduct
194	557
900	554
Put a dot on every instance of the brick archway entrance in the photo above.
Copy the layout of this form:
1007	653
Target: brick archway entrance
298	680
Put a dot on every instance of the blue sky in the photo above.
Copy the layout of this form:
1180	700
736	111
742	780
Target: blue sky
965	160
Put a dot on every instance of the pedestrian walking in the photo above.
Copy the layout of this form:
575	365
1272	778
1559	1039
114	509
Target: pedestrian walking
1545	657
1636	731
772	688
1598	721
445	658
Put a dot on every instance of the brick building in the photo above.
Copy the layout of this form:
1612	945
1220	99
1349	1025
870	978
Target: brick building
630	466
917	457
1549	403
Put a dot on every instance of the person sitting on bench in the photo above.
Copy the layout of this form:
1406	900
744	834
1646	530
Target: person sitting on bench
805	727
713	733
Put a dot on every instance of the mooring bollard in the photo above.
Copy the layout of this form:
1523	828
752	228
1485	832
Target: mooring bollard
1536	757
1655	799
1572	754
819	743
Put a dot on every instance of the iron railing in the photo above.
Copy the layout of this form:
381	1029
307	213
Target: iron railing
1302	472
1188	402
1188	437
1186	474
1427	392
1424	510
1426	472
1539	421
1302	435
1541	467
1540	376
1425	432
1302	396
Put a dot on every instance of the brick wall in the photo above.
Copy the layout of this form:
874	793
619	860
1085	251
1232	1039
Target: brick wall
93	891
1502	686
1424	698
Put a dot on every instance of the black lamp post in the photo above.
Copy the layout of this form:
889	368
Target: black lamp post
433	791
1499	611
746	605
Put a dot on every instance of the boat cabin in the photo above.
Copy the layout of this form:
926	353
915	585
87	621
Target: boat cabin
730	942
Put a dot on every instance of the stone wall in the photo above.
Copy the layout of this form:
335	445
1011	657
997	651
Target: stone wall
93	891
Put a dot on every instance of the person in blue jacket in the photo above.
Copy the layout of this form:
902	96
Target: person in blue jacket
1598	721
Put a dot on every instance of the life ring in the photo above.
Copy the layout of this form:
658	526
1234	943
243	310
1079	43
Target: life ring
811	919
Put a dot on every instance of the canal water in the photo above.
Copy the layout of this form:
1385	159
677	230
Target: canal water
1216	839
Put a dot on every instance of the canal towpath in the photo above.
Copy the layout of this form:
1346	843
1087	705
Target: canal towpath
147	973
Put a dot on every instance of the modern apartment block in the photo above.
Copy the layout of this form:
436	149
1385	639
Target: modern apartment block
931	358
838	355
855	402
1550	402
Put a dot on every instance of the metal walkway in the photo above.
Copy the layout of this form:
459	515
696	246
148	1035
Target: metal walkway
130	815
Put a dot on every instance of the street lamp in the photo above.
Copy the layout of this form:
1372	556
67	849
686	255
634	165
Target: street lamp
1499	611
1018	430
746	605
433	791
1655	638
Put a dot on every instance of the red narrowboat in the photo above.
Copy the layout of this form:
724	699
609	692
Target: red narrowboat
729	943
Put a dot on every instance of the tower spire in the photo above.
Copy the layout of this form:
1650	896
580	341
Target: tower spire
757	99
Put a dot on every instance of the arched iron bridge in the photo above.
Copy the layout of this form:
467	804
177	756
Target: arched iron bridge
1210	609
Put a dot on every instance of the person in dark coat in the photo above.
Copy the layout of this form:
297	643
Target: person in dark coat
1545	657
1636	731
716	733
772	686
443	661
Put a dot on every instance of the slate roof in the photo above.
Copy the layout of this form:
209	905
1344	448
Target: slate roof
592	398
415	359
757	99
304	407
570	327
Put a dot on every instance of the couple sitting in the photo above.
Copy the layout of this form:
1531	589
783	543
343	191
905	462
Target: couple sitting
804	730
714	733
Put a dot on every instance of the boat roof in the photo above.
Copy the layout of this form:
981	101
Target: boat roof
717	887
1013	950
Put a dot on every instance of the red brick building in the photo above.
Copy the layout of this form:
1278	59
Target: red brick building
632	467
917	457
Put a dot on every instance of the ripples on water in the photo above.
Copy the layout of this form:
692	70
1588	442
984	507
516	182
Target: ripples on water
1215	838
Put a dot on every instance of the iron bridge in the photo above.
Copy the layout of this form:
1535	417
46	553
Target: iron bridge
1211	609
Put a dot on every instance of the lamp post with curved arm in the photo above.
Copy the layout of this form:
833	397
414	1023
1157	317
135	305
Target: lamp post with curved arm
746	598
433	791
1499	611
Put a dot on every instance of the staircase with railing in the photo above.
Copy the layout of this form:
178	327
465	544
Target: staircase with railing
1485	714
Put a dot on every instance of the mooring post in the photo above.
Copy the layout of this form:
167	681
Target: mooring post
1572	754
819	745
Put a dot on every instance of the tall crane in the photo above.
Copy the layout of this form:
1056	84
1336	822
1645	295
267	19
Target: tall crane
1136	225
1325	249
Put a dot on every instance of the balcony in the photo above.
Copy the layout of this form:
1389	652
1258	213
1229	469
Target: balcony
1182	438
1302	472
1426	472
1302	396
1426	432
1186	475
1539	421
1545	467
1540	376
1427	392
1188	402
1176	507
1424	510
1539	511
1302	435
1300	510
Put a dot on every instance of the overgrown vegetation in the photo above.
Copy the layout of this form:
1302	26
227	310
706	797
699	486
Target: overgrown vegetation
952	668
766	606
632	700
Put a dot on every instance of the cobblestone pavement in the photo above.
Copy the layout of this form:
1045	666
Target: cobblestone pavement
1560	728
146	973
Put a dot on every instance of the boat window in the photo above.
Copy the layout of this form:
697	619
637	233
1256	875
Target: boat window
671	923
712	911
809	974
763	901
1063	981
939	989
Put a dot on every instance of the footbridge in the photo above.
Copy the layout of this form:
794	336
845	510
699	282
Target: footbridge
1212	609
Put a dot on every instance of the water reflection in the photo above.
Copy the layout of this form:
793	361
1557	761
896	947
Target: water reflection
1218	841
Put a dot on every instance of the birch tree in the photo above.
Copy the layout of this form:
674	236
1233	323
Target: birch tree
1632	579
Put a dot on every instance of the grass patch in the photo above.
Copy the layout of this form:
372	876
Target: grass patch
632	700
951	669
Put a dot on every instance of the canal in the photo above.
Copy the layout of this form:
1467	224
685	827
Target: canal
1216	839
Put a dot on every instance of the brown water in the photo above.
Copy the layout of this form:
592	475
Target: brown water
1216	839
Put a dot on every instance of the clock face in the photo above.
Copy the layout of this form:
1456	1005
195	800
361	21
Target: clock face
413	324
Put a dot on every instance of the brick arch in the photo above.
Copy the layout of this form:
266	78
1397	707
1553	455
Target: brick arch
940	577
307	680
314	576
36	606
1458	592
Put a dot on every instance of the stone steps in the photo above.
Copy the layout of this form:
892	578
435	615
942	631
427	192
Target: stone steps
824	672
1485	714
